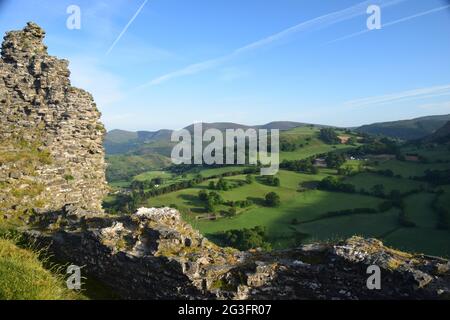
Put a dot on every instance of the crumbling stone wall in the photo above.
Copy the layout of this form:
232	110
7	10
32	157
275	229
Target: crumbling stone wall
154	254
40	109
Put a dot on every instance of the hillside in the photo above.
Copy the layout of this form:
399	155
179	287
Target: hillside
406	129
121	141
145	142
442	135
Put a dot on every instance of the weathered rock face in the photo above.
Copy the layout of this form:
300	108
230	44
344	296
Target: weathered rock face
153	254
44	118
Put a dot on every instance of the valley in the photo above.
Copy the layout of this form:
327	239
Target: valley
389	198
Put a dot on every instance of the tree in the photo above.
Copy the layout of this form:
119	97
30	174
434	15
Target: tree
272	199
232	212
272	181
329	136
222	184
352	141
246	239
210	205
334	160
203	195
276	182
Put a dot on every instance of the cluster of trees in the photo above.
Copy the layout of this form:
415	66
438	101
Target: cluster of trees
436	177
347	212
240	203
304	166
331	183
352	141
224	185
378	146
245	239
211	199
334	160
170	188
123	203
183	169
146	184
334	184
289	145
271	181
395	200
272	199
329	136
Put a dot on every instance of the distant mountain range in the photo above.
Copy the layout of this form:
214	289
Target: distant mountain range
121	141
407	129
145	142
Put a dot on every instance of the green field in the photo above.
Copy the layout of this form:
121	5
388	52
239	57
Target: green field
302	213
411	169
303	206
421	240
432	153
368	225
368	180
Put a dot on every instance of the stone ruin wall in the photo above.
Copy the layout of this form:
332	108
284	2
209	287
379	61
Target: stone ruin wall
39	106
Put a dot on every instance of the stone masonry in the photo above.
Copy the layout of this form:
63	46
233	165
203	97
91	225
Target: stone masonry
39	107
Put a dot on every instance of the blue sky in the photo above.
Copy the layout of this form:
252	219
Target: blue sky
252	61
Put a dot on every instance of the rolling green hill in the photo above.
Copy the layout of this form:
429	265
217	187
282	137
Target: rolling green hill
147	142
406	129
121	141
442	135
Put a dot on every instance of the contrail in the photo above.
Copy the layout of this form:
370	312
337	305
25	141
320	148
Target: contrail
319	22
391	23
126	27
421	93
